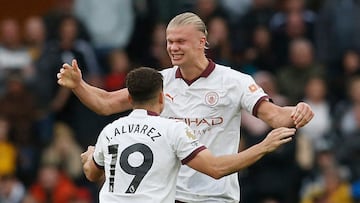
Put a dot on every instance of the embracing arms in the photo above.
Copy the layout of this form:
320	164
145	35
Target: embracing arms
206	162
106	103
96	99
220	166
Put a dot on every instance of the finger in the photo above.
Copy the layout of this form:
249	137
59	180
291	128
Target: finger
304	116
58	76
298	109
75	65
82	156
60	82
283	130
66	66
287	132
285	140
305	120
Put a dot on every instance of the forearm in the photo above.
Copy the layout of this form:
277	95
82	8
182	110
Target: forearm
228	164
282	118
275	116
101	101
221	166
91	171
289	116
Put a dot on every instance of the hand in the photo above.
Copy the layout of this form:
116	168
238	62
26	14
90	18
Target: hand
86	156
302	114
70	75
278	137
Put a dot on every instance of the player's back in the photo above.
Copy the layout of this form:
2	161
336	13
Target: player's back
141	156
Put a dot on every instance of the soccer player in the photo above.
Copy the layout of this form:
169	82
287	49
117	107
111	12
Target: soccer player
141	154
206	96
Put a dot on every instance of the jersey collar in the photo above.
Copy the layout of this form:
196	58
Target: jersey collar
209	69
143	112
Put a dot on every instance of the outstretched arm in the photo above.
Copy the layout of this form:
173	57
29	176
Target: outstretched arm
96	99
221	166
288	116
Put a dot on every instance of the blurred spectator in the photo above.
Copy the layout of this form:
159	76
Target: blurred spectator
208	9
119	67
17	105
156	55
328	187
110	25
259	15
52	185
64	104
337	30
54	16
13	55
11	189
235	9
71	47
273	168
260	55
316	96
34	36
294	21
64	151
345	110
350	66
8	152
293	77
43	85
348	150
219	44
146	15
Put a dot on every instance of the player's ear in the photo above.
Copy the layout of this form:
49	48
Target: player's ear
130	99
161	97
203	42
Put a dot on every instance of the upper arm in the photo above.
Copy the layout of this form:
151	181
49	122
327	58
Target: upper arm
202	162
118	101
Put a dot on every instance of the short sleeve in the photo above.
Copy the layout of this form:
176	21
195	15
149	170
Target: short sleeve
252	95
99	149
185	143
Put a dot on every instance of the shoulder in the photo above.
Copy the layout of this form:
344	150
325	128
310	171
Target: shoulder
230	74
168	73
172	126
110	126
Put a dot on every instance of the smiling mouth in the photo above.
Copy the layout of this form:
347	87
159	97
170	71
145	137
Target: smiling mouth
177	56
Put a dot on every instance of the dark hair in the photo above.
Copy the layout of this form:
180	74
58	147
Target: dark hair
144	84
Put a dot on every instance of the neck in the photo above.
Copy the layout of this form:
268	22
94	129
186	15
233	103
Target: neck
194	70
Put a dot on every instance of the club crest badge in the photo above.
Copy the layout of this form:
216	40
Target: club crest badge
211	98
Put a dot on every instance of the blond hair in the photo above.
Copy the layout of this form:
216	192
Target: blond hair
189	18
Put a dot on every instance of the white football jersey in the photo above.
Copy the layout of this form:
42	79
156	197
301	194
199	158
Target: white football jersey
141	155
211	106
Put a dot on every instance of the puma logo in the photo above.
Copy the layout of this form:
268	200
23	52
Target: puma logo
170	97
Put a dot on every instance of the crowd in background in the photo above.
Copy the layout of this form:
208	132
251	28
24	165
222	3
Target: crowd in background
295	50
